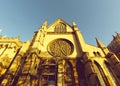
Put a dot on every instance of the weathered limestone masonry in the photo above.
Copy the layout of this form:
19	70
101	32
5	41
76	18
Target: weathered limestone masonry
57	55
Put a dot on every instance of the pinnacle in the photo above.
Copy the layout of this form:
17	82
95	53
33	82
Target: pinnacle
100	44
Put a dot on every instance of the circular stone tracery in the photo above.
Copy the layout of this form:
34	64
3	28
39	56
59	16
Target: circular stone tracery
60	48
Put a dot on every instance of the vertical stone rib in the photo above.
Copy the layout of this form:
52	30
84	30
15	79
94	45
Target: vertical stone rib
60	78
75	73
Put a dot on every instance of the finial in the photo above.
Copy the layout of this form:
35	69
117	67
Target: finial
74	24
45	23
118	35
113	37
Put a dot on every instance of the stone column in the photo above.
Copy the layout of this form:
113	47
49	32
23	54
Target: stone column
75	72
60	75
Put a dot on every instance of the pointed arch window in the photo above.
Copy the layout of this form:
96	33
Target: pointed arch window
69	77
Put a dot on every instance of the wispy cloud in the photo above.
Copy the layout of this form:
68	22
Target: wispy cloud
5	36
0	30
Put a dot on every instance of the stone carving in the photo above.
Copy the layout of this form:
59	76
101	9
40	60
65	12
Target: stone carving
60	28
60	48
42	36
43	32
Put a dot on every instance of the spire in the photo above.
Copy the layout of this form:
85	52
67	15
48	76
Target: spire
99	44
102	46
44	25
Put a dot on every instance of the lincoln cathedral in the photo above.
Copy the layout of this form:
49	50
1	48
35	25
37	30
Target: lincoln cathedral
58	55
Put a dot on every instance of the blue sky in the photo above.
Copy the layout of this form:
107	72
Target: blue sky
95	18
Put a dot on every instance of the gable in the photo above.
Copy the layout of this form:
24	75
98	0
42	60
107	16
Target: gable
59	26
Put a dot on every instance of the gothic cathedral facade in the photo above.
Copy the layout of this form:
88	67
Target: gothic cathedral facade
57	55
